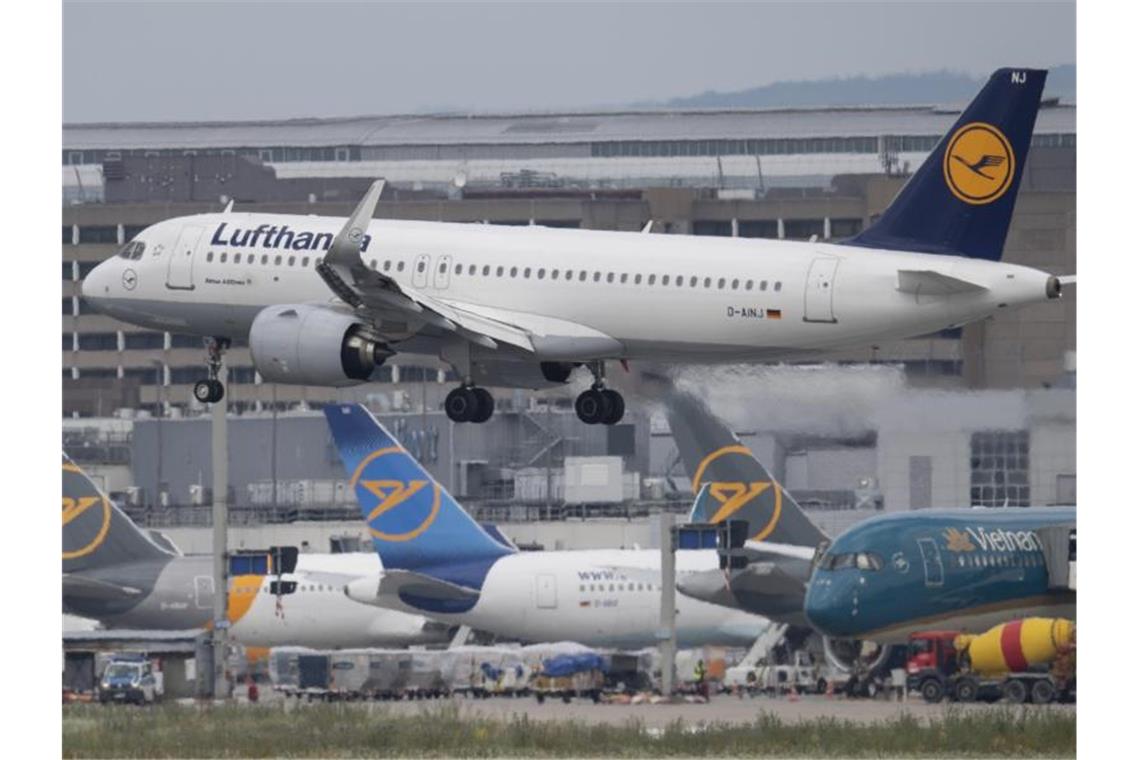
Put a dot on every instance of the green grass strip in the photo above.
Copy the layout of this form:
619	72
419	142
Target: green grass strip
373	730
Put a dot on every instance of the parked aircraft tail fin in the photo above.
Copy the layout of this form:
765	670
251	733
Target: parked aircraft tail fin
96	533
414	522
961	199
739	486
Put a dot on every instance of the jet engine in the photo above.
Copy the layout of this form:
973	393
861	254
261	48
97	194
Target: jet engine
855	655
302	344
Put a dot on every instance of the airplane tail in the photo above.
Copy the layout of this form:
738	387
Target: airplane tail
961	199
415	524
723	468
96	533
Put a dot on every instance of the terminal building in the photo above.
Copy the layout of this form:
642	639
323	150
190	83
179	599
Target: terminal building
819	173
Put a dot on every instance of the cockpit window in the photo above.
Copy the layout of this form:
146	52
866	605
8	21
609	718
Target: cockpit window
132	250
860	560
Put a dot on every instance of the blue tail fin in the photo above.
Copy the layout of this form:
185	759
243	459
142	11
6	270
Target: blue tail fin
414	522
961	199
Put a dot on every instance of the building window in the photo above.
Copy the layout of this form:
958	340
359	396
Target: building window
99	234
98	341
145	341
999	468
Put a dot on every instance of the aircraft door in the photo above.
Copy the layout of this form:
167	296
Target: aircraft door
420	269
180	270
818	293
203	592
931	562
443	272
546	591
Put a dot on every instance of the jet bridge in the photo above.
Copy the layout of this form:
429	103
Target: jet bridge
1059	545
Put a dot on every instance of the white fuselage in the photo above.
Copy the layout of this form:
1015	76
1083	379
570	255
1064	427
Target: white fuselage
603	597
600	295
319	615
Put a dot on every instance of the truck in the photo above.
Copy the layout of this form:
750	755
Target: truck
1031	659
129	678
802	675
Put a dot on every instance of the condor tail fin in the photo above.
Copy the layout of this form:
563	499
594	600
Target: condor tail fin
739	487
96	533
414	522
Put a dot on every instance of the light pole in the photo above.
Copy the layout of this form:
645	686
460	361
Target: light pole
160	412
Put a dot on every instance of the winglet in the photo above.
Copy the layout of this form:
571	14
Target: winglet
345	248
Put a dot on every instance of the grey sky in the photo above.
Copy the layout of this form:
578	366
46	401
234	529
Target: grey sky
167	61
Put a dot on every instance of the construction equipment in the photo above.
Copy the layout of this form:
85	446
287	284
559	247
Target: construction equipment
1034	658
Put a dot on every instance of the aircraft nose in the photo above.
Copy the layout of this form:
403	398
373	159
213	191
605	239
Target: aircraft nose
97	283
822	606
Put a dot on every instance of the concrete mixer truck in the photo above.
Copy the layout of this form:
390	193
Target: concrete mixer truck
1034	659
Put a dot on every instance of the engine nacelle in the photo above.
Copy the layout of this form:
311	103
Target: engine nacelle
302	344
854	655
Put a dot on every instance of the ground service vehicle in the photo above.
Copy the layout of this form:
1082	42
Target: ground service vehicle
1034	658
129	678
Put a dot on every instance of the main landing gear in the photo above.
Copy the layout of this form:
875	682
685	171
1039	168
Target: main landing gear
600	405
211	390
469	403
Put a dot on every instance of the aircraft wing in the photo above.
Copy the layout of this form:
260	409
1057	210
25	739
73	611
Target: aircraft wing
376	295
80	587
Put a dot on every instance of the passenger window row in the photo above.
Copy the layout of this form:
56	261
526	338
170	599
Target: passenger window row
1001	560
251	258
584	275
540	273
585	588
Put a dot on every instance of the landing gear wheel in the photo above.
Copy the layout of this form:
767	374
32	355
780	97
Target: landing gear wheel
209	391
461	405
617	407
486	405
592	407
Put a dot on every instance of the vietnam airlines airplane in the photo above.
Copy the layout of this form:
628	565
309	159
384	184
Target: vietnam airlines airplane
885	577
965	569
116	574
325	301
440	562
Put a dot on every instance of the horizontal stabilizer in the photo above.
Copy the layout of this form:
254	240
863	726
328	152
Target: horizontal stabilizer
926	282
767	550
417	589
79	587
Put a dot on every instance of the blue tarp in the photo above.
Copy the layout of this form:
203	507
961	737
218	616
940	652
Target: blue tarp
569	664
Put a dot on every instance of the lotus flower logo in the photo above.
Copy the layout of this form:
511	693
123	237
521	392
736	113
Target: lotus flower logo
958	541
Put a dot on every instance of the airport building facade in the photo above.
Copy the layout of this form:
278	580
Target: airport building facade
801	174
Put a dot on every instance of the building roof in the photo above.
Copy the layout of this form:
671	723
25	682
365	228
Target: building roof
537	128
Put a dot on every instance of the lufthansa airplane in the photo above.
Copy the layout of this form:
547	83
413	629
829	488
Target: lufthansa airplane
115	573
439	562
325	301
964	569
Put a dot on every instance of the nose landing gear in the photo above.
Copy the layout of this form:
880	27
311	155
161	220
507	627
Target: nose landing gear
600	405
211	390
